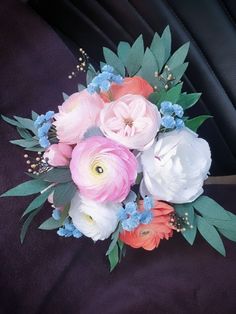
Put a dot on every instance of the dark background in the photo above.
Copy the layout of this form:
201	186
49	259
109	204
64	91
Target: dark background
49	274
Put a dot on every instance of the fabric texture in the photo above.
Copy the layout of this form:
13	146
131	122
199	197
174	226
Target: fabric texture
49	274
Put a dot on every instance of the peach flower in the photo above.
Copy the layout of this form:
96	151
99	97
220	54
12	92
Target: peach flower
78	113
149	236
131	85
58	154
131	120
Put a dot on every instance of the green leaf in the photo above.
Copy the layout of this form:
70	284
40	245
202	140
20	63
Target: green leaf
121	247
113	257
34	115
158	49
195	123
178	56
222	224
29	143
27	124
51	223
24	133
65	96
207	207
178	72
26	188
210	234
123	51
188	100
36	148
166	40
229	234
63	193
114	237
27	223
11	121
173	93
57	175
91	73
81	87
149	67
38	201
112	59
190	233
135	56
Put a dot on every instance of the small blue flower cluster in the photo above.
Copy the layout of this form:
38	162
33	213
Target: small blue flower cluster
43	123
102	81
131	218
172	114
68	229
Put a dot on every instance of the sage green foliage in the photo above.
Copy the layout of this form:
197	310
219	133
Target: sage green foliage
210	219
116	249
51	223
26	129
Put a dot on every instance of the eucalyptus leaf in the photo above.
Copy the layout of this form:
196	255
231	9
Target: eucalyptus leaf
24	133
188	100
34	115
27	188
64	193
27	223
65	96
38	201
174	93
166	40
178	56
81	87
178	72
229	234
11	121
113	257
135	56
91	73
27	124
36	148
26	143
112	59
123	51
158	49
57	175
51	223
206	206
210	234
194	123
149	67
114	237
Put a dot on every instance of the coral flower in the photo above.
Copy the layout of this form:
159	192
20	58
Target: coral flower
103	170
149	236
131	85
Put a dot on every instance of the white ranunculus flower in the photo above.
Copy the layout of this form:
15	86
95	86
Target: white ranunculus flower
94	220
175	167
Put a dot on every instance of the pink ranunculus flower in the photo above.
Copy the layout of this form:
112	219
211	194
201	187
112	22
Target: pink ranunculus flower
58	154
103	170
131	120
78	113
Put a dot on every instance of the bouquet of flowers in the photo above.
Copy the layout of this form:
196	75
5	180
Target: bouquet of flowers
121	158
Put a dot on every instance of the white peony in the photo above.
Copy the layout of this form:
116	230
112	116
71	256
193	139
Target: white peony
175	167
94	220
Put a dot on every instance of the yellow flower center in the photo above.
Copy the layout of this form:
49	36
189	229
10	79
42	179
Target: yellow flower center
88	218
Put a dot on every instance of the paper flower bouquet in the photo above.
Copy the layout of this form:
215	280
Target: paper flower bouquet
121	159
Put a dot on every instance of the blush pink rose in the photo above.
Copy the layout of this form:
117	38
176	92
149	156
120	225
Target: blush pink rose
78	113
131	85
149	236
103	170
132	121
58	154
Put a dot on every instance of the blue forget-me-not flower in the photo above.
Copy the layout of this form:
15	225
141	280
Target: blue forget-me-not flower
103	80
43	123
171	115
